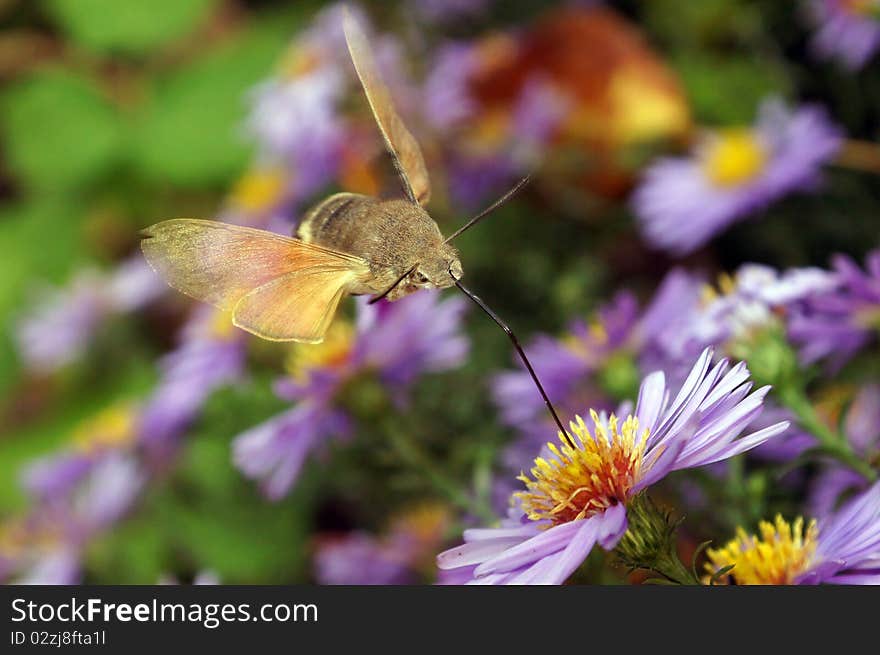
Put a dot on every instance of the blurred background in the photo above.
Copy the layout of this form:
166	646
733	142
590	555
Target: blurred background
135	425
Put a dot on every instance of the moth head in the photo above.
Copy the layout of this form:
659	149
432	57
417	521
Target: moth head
440	271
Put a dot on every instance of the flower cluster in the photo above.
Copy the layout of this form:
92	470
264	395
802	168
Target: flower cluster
390	344
578	493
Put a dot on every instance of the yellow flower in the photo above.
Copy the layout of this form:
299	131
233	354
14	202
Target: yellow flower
781	554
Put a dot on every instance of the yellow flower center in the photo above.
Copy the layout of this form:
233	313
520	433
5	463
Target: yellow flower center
298	61
425	522
589	478
259	190
576	344
777	557
114	426
333	351
735	157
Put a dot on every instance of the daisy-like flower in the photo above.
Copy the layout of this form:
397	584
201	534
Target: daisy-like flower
392	344
47	545
62	325
682	203
841	548
111	432
847	30
578	491
837	324
211	354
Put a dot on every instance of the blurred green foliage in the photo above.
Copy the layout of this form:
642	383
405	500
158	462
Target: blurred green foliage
128	27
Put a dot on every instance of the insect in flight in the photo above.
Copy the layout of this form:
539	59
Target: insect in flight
288	288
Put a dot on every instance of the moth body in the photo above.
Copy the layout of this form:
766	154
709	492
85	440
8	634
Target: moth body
398	238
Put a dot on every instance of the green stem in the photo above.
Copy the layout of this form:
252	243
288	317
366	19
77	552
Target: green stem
650	542
672	569
413	454
832	443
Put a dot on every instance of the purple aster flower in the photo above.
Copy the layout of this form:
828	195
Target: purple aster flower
359	558
862	430
211	354
578	493
275	451
133	285
840	548
787	446
848	30
295	120
394	558
666	322
61	326
683	202
742	305
47	546
393	342
446	100
51	479
53	476
539	111
476	176
837	324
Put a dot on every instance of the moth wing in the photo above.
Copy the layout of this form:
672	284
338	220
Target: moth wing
404	149
295	307
222	264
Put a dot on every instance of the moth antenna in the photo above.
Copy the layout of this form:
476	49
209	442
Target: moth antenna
376	299
522	354
495	205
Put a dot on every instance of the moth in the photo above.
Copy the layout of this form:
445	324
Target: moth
288	288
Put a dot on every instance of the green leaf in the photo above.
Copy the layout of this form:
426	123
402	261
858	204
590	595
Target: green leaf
128	26
728	90
707	22
189	134
696	556
58	130
40	244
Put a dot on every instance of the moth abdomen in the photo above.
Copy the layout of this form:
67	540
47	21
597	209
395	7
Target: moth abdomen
326	220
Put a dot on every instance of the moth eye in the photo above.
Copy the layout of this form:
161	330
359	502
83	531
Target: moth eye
421	278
